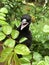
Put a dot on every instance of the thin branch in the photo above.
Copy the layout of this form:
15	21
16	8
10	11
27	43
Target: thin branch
46	1
24	2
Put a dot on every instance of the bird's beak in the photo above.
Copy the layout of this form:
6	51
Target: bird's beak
24	24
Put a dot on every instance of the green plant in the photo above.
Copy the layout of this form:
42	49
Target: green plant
10	13
9	49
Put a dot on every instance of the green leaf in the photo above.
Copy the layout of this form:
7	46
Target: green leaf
2	14
46	45
17	23
21	49
37	31
2	36
29	56
24	60
34	63
9	42
37	56
5	53
46	29
3	0
14	34
17	60
2	18
0	29
3	23
47	59
41	63
3	10
7	29
22	39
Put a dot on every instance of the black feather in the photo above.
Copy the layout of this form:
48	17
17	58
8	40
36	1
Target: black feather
25	32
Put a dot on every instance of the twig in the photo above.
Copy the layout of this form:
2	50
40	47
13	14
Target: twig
46	1
28	3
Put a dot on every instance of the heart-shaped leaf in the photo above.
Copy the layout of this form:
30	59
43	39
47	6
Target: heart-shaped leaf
7	29
37	56
22	49
14	34
9	42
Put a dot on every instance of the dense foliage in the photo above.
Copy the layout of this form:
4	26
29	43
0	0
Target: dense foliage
10	13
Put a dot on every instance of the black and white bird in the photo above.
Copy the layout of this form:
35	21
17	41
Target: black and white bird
24	30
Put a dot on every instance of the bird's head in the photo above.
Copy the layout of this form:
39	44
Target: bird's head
25	21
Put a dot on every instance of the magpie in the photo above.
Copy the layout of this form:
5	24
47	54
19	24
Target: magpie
24	30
